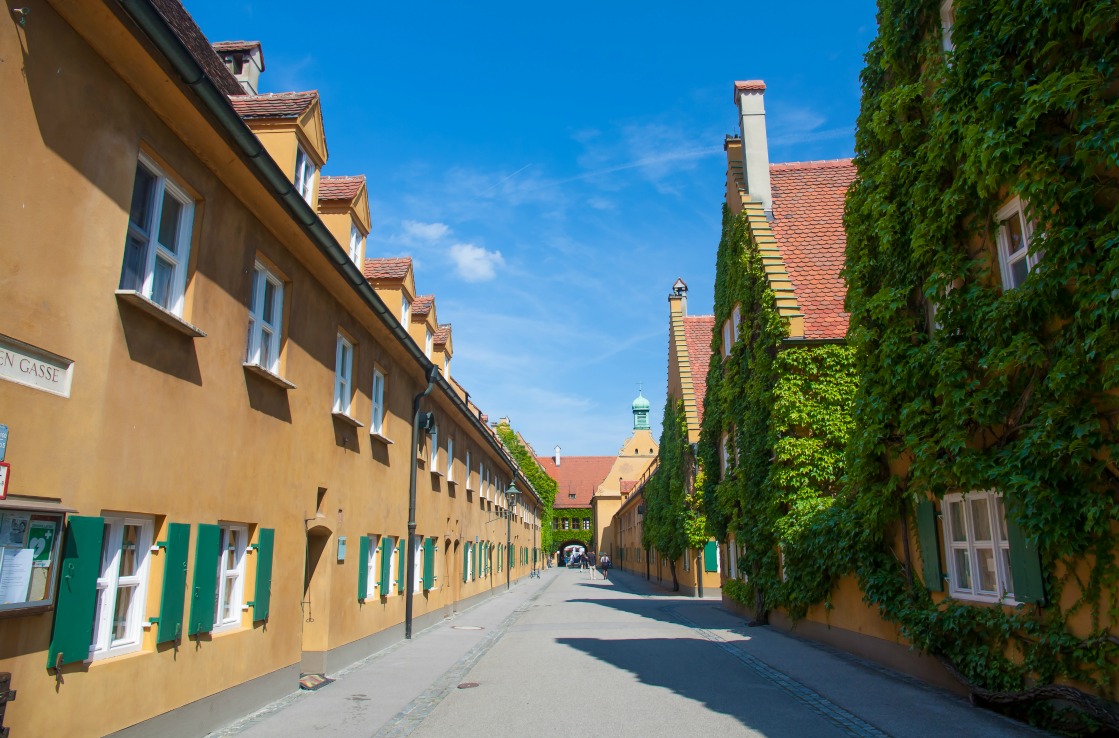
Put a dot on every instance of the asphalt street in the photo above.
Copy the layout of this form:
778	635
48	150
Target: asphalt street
566	655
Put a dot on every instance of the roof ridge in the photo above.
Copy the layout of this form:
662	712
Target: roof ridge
814	164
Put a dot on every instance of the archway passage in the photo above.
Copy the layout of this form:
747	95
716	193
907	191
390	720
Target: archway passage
567	549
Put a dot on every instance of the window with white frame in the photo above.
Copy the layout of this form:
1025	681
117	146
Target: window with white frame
450	458
122	587
405	310
266	309
377	420
728	340
428	338
231	577
343	375
418	565
394	567
567	523
157	247
305	174
357	244
724	455
469	469
435	449
978	550
469	562
447	367
586	523
1015	237
372	572
947	21
735	319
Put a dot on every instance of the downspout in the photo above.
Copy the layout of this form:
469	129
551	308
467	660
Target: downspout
215	101
410	582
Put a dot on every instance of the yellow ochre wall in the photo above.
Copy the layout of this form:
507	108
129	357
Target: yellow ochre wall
172	427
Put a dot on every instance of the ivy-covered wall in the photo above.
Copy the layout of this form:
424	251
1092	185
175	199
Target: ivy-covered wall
575	531
1016	390
786	410
544	485
674	519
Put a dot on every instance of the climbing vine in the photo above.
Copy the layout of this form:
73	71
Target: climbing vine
544	485
574	531
674	519
1007	390
785	412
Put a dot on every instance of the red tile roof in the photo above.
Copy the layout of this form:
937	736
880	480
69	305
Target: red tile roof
577	475
442	335
421	306
697	335
808	200
199	46
388	269
340	188
235	45
749	85
627	486
274	104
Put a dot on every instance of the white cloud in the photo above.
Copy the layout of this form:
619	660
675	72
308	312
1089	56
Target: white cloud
430	232
474	263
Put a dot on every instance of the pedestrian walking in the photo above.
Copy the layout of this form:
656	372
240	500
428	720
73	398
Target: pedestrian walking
604	562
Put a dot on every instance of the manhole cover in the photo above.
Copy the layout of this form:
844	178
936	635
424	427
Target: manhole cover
467	627
468	685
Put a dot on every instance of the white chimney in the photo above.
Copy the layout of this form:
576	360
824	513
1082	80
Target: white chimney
557	456
749	96
245	60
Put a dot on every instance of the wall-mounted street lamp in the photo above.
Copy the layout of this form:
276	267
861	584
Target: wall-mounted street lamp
510	505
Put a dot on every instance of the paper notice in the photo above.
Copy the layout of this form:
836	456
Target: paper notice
13	529
15	574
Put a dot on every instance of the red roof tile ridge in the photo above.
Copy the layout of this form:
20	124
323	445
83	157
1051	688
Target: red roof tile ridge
442	334
749	85
187	31
340	187
234	45
422	304
387	267
815	164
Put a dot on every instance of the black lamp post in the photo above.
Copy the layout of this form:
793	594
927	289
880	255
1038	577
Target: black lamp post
510	503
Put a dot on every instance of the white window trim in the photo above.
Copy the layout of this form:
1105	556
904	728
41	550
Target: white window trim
372	571
429	339
999	545
103	645
237	574
469	472
433	440
724	455
947	21
405	310
305	175
377	415
357	244
152	248
1015	208
418	569
735	319
470	562
450	458
727	342
262	277
394	566
343	375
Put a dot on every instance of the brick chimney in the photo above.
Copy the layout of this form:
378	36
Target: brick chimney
749	96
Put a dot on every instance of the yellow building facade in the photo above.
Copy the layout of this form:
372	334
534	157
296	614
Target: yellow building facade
208	404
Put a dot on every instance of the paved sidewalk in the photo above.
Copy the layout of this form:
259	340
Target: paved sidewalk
390	692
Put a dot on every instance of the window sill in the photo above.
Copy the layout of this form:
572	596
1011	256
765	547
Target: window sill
379	437
263	373
980	599
347	419
436	472
169	319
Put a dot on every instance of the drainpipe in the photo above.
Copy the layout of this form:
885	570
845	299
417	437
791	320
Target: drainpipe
410	553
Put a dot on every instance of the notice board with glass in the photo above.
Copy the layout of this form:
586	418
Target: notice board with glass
30	537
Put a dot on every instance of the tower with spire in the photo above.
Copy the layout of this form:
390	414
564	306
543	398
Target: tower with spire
640	412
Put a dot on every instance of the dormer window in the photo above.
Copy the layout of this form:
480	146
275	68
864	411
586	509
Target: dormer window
947	21
405	310
357	244
305	173
428	338
447	367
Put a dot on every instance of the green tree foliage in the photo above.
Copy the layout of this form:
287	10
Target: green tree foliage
1016	390
673	506
544	485
786	411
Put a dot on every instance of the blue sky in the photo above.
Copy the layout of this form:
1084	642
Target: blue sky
552	169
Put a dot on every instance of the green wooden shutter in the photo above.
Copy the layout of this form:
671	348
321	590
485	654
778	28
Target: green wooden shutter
362	567
429	563
710	556
930	546
173	596
207	550
77	591
262	592
386	564
400	581
1025	566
